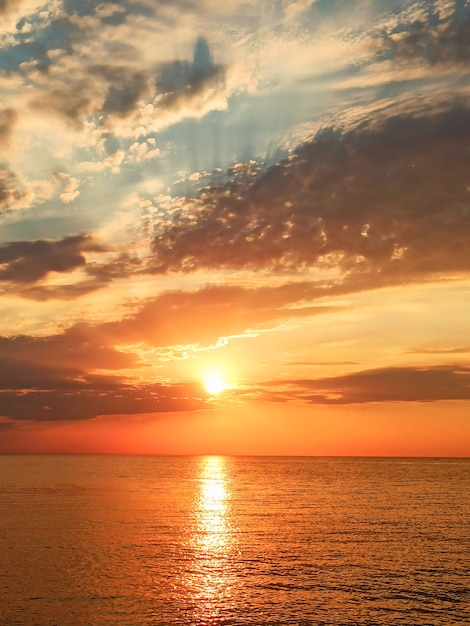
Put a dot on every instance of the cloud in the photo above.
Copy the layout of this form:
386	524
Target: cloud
40	362
95	397
125	87
384	204
74	103
16	8
123	94
8	119
44	378
70	192
42	293
440	41
182	81
296	8
18	193
215	312
392	384
62	370
13	196
185	89
322	363
7	5
59	392
30	261
458	350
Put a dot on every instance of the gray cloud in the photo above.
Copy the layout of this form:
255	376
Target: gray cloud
435	42
12	195
74	102
30	261
39	362
125	87
7	122
181	82
116	89
8	5
91	399
42	293
386	205
392	384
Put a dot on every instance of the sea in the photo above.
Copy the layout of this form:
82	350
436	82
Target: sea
214	540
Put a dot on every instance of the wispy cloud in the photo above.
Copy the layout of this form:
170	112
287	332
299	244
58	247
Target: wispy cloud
458	350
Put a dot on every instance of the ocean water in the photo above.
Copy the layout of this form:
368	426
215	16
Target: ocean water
234	540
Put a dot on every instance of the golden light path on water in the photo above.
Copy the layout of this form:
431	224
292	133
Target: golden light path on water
210	581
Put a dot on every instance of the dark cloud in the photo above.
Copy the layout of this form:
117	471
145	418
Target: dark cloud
28	359
181	82
125	87
386	205
89	400
101	89
7	122
109	12
71	394
45	379
30	261
117	89
74	102
121	266
23	374
42	293
95	89
433	42
392	384
6	6
12	194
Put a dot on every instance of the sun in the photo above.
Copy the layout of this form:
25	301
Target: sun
214	383
216	376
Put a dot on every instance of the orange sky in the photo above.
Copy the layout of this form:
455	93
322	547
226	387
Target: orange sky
277	195
260	428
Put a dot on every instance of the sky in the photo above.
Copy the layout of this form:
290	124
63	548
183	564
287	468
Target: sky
237	227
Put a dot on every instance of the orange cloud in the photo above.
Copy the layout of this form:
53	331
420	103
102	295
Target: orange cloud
48	373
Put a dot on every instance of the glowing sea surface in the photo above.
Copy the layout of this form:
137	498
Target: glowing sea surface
244	540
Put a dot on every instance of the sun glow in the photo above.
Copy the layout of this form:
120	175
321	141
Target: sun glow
216	376
214	383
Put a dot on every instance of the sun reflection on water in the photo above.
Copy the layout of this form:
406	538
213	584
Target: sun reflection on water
210	579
